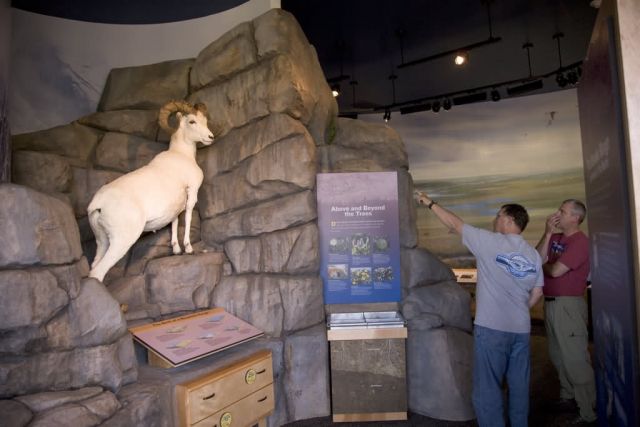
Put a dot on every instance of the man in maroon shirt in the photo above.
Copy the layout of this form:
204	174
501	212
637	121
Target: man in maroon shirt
564	250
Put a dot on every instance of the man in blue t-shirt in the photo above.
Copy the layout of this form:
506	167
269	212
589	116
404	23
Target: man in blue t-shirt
510	282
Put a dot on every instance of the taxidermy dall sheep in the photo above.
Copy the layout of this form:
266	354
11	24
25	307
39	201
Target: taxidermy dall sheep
154	195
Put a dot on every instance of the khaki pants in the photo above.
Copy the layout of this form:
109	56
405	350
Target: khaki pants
565	320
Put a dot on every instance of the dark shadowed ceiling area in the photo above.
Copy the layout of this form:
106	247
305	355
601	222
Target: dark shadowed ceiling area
398	54
126	11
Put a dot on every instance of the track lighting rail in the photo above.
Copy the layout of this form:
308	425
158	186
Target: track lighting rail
529	83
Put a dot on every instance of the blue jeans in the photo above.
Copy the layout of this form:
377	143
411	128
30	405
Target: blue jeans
497	354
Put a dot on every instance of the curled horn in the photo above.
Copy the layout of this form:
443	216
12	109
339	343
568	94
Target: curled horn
170	108
201	107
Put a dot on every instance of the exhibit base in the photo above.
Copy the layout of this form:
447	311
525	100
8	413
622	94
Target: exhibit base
368	373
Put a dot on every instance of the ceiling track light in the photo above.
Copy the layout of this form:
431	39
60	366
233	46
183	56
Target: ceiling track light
451	52
415	108
335	90
572	75
461	58
557	36
466	48
446	104
561	80
393	78
528	46
470	98
496	91
387	115
525	87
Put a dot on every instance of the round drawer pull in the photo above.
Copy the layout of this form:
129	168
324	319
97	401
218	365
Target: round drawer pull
250	376
225	419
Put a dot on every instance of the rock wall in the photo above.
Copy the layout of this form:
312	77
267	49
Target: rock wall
256	231
58	330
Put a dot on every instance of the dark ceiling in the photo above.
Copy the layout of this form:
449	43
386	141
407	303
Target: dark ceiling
126	12
362	43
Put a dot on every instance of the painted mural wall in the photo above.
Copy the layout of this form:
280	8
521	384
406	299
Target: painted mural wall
475	158
59	66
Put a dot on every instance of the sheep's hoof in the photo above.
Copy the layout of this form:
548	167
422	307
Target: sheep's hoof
188	249
176	249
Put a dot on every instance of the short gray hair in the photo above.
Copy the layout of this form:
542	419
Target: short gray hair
577	208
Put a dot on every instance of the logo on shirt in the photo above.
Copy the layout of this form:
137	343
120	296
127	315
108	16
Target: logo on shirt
516	264
557	248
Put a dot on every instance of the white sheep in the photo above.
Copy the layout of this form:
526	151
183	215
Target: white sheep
152	196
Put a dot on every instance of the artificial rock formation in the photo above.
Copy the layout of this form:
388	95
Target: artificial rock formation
256	255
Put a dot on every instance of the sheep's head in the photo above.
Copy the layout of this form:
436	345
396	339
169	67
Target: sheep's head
192	121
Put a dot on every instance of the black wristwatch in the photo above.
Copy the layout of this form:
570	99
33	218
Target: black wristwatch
431	203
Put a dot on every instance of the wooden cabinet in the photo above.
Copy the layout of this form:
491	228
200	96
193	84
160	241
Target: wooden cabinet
237	395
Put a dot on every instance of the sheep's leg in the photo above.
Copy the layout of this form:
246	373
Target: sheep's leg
122	232
118	247
102	240
174	237
192	198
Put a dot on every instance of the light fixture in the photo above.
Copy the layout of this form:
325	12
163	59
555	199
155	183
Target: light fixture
528	46
525	87
335	90
446	104
415	108
393	78
561	80
461	58
387	115
456	51
470	99
495	95
436	107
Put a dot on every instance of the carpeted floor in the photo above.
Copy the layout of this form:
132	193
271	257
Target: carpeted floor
544	408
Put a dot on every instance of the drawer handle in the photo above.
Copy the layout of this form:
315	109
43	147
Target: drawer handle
262	400
209	397
261	372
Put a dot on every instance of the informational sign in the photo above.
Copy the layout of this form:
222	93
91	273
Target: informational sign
359	237
616	358
191	337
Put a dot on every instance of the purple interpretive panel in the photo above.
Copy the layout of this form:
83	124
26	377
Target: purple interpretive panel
359	237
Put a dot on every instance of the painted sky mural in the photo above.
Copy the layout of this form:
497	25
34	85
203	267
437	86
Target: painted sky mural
59	66
475	158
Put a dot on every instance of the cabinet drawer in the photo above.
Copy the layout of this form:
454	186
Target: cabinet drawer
243	413
206	395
